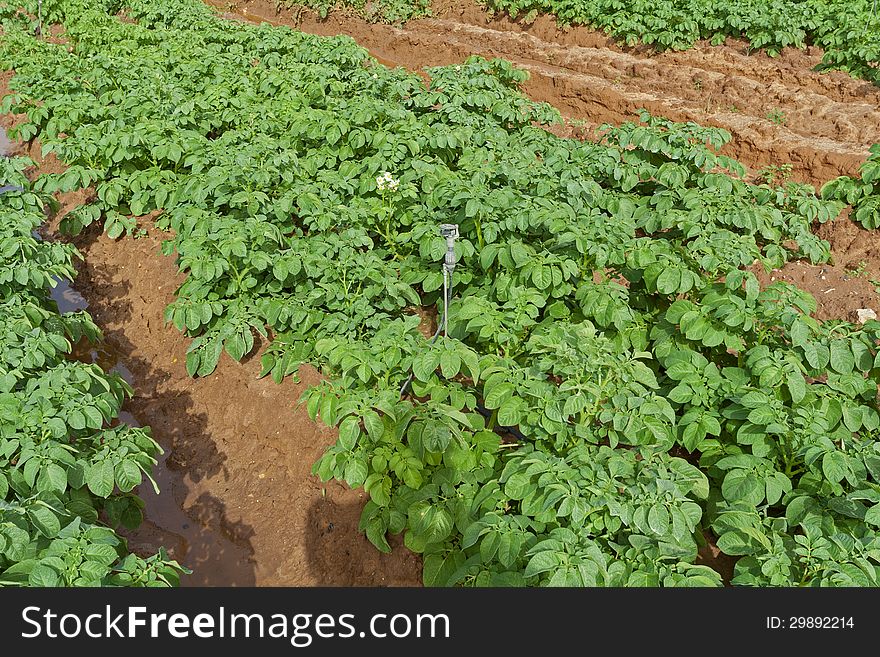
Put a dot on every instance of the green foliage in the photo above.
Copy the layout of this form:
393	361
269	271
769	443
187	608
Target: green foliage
604	306
776	116
846	29
66	466
863	193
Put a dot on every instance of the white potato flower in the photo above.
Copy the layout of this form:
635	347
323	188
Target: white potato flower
387	181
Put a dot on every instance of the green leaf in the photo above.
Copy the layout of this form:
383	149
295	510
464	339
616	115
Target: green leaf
30	471
433	281
76	420
450	363
692	513
872	517
520	254
852	417
43	576
542	277
235	347
742	485
488	441
100	478
373	424
356	471
329	405
376	529
574	404
438	568
425	364
349	431
797	386
55	478
431	522
669	281
834	466
45	520
658	519
752	288
762	416
735	543
509	413
519	485
498	394
509	547
776	486
842	359
92	571
102	553
379	488
128	475
541	563
644	375
94	419
800	507
114	228
692	435
436	437
800	333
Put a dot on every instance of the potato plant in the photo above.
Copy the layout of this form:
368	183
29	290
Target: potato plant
862	193
614	389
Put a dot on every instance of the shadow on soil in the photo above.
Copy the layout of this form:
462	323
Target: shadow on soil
196	532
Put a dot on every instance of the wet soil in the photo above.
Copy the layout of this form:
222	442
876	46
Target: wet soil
240	447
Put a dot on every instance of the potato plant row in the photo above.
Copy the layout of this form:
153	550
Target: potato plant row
845	29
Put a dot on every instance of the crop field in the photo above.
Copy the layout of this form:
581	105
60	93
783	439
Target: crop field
525	294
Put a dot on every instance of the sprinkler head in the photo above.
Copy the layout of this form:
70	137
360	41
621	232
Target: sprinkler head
450	233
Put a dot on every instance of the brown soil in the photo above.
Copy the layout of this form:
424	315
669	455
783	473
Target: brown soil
240	449
830	119
846	283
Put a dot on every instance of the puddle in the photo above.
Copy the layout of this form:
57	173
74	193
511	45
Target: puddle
68	299
213	558
205	549
6	146
86	352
